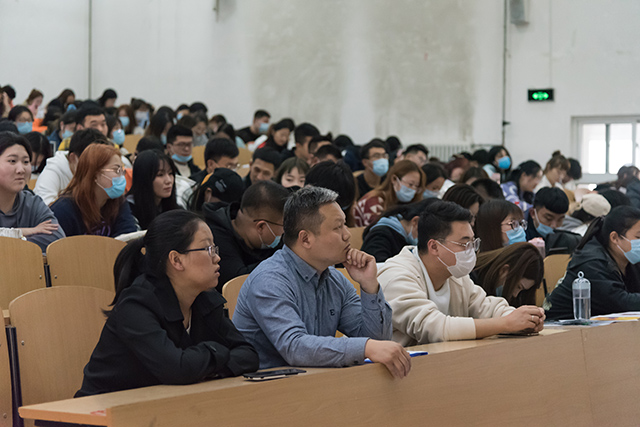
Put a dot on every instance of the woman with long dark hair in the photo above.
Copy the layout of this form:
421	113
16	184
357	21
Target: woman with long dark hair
167	324
153	190
521	185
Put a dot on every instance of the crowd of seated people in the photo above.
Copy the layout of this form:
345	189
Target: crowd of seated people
452	248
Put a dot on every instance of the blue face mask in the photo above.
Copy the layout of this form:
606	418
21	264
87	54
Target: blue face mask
24	127
71	107
66	134
504	163
516	236
380	166
118	184
543	229
125	121
182	159
272	245
410	239
163	139
263	127
428	194
118	136
180	115
634	254
405	194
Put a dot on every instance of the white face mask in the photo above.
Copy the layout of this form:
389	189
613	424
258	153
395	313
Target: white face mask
465	261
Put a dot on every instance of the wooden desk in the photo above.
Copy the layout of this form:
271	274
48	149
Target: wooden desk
574	377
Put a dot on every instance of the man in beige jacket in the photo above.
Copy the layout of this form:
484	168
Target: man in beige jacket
430	291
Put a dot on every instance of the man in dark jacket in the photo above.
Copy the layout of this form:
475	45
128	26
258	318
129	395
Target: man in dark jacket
547	214
249	232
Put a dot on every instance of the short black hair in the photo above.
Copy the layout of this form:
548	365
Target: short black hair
302	211
463	195
10	91
149	143
176	131
88	110
575	169
334	176
83	138
260	114
374	143
317	139
16	111
328	150
304	130
488	189
264	195
69	117
198	106
414	148
269	155
435	222
552	199
616	198
217	148
433	171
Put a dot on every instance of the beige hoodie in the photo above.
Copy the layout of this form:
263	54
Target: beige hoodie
416	319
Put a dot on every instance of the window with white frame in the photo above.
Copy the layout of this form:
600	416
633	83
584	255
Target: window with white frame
605	144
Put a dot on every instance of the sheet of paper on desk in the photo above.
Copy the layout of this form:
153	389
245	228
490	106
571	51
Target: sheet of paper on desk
411	353
629	316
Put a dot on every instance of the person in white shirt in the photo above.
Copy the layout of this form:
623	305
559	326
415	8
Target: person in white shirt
430	291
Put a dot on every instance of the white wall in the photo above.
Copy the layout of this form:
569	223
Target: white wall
425	70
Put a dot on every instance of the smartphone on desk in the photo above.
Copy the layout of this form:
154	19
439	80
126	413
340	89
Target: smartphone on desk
273	375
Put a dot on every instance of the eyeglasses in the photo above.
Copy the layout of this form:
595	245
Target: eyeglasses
211	250
475	244
515	224
270	222
118	170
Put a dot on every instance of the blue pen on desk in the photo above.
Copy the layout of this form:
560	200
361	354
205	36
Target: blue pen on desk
411	353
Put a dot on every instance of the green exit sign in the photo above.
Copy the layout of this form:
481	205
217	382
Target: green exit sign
540	95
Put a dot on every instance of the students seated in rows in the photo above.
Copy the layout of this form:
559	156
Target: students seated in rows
167	324
404	184
180	147
376	164
513	273
263	166
93	202
339	178
590	207
465	196
429	289
89	116
291	305
608	256
19	208
435	178
258	127
302	135
292	172
395	229
218	190
60	168
218	153
153	190
554	172
546	216
249	232
521	185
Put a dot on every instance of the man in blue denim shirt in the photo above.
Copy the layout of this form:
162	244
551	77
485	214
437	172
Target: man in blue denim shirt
292	304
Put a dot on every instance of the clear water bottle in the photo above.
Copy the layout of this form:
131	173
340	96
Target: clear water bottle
581	298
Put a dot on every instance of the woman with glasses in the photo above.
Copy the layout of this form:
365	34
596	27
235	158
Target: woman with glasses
153	190
167	324
513	273
93	202
498	224
404	183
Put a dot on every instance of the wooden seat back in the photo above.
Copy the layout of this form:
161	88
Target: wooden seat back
21	269
230	292
83	261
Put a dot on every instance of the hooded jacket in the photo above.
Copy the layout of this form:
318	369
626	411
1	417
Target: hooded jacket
611	291
54	178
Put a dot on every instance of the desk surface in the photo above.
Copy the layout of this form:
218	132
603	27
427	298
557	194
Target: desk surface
500	381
